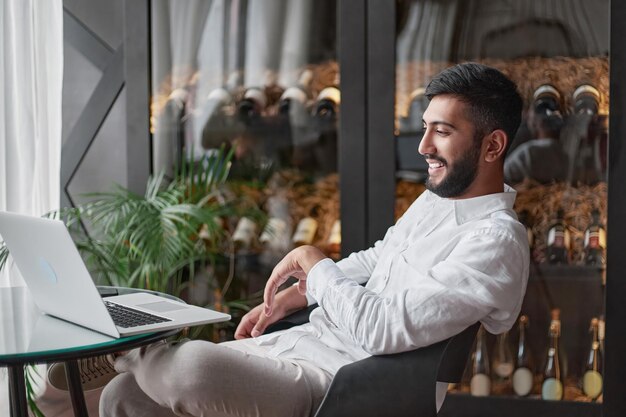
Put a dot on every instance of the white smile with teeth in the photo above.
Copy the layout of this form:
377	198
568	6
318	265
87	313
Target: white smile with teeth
435	165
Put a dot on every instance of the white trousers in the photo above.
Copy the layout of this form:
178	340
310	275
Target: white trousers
203	379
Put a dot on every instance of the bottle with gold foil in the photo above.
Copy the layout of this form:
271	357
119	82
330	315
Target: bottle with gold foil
480	384
592	376
523	376
552	386
601	330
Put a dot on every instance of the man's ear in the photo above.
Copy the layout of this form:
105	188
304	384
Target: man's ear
496	143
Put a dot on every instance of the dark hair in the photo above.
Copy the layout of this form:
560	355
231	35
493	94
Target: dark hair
493	100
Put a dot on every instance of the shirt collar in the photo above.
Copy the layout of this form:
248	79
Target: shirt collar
471	208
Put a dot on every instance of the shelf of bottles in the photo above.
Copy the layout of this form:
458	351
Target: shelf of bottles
261	79
557	53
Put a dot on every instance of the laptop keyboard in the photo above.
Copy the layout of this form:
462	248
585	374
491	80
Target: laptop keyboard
128	317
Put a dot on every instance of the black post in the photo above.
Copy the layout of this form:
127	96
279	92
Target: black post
614	404
137	70
381	91
17	391
353	125
72	375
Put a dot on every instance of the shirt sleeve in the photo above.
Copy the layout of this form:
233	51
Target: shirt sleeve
359	265
482	279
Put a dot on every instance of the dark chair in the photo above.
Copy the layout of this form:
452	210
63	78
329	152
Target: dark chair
402	384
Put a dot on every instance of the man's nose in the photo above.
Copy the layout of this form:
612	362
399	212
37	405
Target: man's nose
426	145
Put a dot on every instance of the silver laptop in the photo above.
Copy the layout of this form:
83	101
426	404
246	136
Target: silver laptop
61	285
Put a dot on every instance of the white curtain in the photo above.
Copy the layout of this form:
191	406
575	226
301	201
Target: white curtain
31	71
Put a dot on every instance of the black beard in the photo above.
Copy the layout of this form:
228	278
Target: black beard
460	175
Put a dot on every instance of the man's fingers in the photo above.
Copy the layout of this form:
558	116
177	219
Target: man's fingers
260	326
268	297
243	330
247	323
271	288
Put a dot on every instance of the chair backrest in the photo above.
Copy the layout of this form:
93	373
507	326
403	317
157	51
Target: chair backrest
401	384
455	355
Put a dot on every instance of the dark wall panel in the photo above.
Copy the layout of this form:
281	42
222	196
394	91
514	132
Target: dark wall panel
104	18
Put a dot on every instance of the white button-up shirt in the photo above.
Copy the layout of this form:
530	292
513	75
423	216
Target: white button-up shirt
443	266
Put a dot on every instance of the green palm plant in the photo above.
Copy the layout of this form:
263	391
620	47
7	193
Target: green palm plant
150	241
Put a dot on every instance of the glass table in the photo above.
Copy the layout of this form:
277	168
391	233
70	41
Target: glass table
28	336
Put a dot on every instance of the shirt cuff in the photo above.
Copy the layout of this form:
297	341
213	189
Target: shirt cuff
309	298
320	277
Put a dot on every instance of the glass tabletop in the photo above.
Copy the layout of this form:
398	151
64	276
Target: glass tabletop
28	335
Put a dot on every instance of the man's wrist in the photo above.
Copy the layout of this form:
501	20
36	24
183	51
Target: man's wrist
320	276
310	257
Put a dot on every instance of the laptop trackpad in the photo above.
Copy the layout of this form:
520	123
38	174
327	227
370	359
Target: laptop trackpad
162	306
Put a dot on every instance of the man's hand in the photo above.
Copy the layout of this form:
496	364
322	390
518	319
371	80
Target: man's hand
254	323
296	263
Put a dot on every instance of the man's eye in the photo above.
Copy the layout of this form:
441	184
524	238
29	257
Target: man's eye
442	133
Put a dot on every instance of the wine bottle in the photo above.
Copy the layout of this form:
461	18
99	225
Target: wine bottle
592	377
601	329
274	229
328	101
305	231
558	241
586	100
480	384
503	364
253	103
546	100
244	233
298	94
217	129
524	374
595	242
333	247
552	386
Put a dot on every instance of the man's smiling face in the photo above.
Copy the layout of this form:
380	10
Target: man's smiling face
450	147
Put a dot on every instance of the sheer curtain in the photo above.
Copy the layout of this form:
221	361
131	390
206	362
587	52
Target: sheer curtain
31	71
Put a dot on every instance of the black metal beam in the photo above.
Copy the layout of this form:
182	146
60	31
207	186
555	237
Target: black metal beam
72	376
353	125
137	67
615	343
17	390
91	119
85	41
381	88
